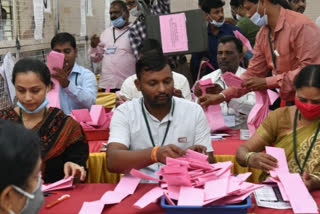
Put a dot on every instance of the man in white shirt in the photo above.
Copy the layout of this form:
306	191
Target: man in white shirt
230	53
147	130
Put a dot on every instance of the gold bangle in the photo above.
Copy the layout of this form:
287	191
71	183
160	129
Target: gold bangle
248	155
154	151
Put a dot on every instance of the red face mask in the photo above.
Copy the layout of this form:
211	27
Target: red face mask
308	110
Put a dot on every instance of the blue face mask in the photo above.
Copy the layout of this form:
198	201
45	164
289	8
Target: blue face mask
42	106
118	22
257	19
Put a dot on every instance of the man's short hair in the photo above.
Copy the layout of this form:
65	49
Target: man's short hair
207	5
237	42
236	3
62	38
150	62
253	1
122	4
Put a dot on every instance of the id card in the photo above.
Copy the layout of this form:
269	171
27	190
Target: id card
111	50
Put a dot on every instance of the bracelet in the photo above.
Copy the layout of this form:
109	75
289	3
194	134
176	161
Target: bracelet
248	155
224	96
154	152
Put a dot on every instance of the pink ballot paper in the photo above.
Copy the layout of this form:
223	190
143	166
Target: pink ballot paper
280	155
243	39
232	80
54	60
62	184
174	36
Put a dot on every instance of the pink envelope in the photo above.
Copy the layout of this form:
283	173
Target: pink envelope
173	192
232	80
62	184
204	84
81	115
196	155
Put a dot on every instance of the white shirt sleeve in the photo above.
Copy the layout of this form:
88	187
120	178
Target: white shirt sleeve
119	127
243	104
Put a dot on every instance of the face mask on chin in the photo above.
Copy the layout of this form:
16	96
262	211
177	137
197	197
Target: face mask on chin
42	106
215	23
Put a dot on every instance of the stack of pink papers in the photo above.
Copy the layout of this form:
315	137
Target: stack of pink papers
232	80
192	181
97	118
261	109
62	184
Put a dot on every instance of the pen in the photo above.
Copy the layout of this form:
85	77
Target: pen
62	198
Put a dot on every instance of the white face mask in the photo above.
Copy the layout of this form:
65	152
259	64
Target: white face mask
34	201
258	20
135	12
215	23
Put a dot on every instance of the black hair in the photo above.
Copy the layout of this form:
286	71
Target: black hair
309	76
150	46
253	1
237	42
200	2
236	3
283	3
150	62
19	154
122	4
32	65
207	5
62	38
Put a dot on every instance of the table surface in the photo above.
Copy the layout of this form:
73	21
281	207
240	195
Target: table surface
92	192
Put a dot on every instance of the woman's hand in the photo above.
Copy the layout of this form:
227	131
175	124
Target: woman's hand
262	161
198	148
73	169
311	182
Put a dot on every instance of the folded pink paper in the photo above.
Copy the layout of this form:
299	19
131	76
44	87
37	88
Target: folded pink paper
81	115
280	155
149	197
54	60
299	196
127	184
190	196
113	197
232	80
91	207
216	189
142	175
62	184
97	114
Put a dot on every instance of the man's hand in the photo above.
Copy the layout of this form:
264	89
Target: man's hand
62	77
262	161
312	182
214	90
177	93
199	148
171	151
95	40
255	83
73	169
210	99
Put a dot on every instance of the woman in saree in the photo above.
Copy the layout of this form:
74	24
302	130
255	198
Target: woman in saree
64	147
295	129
